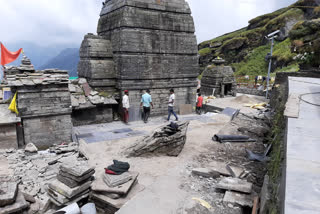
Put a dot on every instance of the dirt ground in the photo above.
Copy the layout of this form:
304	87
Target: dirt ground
163	176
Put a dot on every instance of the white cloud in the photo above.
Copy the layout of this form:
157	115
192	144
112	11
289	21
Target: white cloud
67	21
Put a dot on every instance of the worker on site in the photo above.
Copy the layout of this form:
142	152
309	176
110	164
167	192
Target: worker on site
146	102
126	106
171	105
199	104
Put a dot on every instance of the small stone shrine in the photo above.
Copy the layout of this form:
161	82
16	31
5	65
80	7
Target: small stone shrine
43	102
218	80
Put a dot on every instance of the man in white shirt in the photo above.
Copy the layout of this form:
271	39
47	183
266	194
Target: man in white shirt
171	105
126	106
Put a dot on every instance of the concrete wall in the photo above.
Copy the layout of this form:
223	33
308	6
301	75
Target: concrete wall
8	136
48	130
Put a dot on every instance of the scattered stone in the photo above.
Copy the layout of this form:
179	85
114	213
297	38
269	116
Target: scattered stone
100	186
238	198
29	198
234	184
116	180
93	93
235	171
19	206
8	193
35	208
207	173
219	167
30	147
164	141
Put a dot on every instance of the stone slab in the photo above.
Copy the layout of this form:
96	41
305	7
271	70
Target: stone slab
207	173
220	167
292	106
63	200
235	171
231	112
100	186
67	191
78	170
116	180
70	182
238	198
8	193
117	203
234	184
185	109
18	207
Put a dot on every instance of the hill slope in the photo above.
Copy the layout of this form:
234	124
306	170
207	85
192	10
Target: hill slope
296	46
67	59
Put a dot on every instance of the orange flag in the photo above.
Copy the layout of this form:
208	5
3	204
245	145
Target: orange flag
7	56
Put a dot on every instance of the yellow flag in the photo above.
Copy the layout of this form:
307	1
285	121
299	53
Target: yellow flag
13	104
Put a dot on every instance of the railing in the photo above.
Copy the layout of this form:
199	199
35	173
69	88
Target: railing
252	81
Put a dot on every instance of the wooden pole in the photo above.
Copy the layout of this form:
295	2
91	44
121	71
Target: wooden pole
255	205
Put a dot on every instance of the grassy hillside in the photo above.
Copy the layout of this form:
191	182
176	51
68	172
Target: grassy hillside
246	48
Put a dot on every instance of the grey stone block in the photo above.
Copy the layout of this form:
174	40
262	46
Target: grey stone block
8	193
77	170
238	199
116	180
19	206
207	173
234	184
66	191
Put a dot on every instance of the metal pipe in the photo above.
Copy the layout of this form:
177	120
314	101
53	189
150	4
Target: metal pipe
269	69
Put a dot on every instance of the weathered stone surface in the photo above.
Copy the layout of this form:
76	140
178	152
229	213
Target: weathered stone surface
107	203
235	171
238	198
163	141
100	186
30	147
77	170
29	198
70	182
220	167
234	184
8	193
47	131
68	192
207	173
63	200
116	180
18	207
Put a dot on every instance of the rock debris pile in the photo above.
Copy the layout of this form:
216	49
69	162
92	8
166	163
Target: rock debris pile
166	140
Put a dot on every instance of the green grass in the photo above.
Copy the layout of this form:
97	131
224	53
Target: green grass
255	64
282	51
262	20
204	51
279	21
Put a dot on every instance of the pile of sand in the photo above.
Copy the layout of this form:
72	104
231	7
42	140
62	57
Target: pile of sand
245	99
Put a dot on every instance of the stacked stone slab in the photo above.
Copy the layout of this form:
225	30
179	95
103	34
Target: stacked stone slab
111	192
154	47
96	62
217	78
43	103
72	184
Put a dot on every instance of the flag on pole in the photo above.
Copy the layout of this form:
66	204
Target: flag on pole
8	56
13	104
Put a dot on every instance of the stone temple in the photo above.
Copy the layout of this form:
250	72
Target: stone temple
143	44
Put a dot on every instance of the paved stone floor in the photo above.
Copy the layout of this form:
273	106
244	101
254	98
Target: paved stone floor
303	149
118	130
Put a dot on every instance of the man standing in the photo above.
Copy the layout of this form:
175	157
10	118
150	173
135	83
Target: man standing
171	104
126	106
146	101
199	103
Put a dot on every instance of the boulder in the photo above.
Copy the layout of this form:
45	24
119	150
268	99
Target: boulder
31	148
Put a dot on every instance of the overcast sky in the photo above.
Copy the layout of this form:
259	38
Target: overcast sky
48	22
